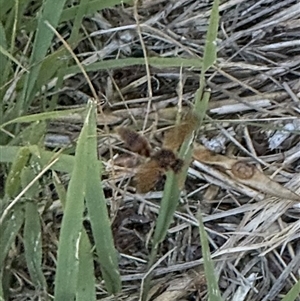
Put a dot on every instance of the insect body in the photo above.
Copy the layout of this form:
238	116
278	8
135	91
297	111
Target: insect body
160	161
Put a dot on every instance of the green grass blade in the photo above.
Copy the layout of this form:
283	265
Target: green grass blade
32	233
201	104
71	229
41	116
86	279
4	52
212	282
153	61
5	7
60	189
171	190
293	293
13	181
8	232
4	62
81	11
99	218
210	48
51	11
9	229
51	66
33	245
90	7
69	13
65	162
31	134
168	206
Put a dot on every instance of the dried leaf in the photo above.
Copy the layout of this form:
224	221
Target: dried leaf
244	173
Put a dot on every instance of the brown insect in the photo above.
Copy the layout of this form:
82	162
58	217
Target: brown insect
149	173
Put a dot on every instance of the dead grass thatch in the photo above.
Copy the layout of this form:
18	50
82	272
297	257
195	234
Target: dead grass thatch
255	89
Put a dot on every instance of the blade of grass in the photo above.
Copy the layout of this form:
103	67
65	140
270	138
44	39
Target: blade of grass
41	116
32	233
171	190
81	11
86	279
168	206
13	181
210	49
13	203
4	62
68	251
65	162
6	69
8	232
32	134
5	7
73	42
121	63
167	209
60	189
8	55
50	11
90	8
9	229
96	204
201	105
33	246
52	65
293	293
212	282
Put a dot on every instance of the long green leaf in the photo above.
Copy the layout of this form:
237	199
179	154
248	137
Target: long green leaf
294	292
9	229
99	218
8	232
65	162
81	11
86	279
86	286
168	206
153	61
90	8
212	283
201	105
41	116
13	181
32	233
171	190
4	62
71	230
210	49
50	12
4	52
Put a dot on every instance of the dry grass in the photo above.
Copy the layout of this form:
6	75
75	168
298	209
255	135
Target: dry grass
255	91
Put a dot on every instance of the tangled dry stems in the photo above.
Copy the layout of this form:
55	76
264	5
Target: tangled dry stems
255	91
